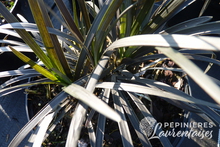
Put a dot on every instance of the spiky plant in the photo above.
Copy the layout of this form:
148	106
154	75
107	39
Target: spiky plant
116	62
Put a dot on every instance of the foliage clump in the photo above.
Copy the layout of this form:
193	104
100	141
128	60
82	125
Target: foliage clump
109	67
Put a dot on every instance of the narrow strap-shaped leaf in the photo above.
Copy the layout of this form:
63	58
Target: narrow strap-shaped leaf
33	28
134	120
159	5
12	42
144	13
18	48
166	87
18	79
80	111
36	35
76	125
123	125
187	24
41	130
195	51
141	59
35	66
68	18
26	37
91	132
149	118
210	113
62	62
125	25
104	95
85	13
139	88
17	72
6	31
101	122
162	16
57	120
211	60
105	20
206	28
175	41
204	7
92	8
75	15
189	56
37	118
12	89
125	22
91	100
97	73
125	12
165	68
51	43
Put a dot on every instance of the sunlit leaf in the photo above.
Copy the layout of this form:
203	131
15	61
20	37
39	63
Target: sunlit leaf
92	101
52	105
152	91
35	66
123	125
